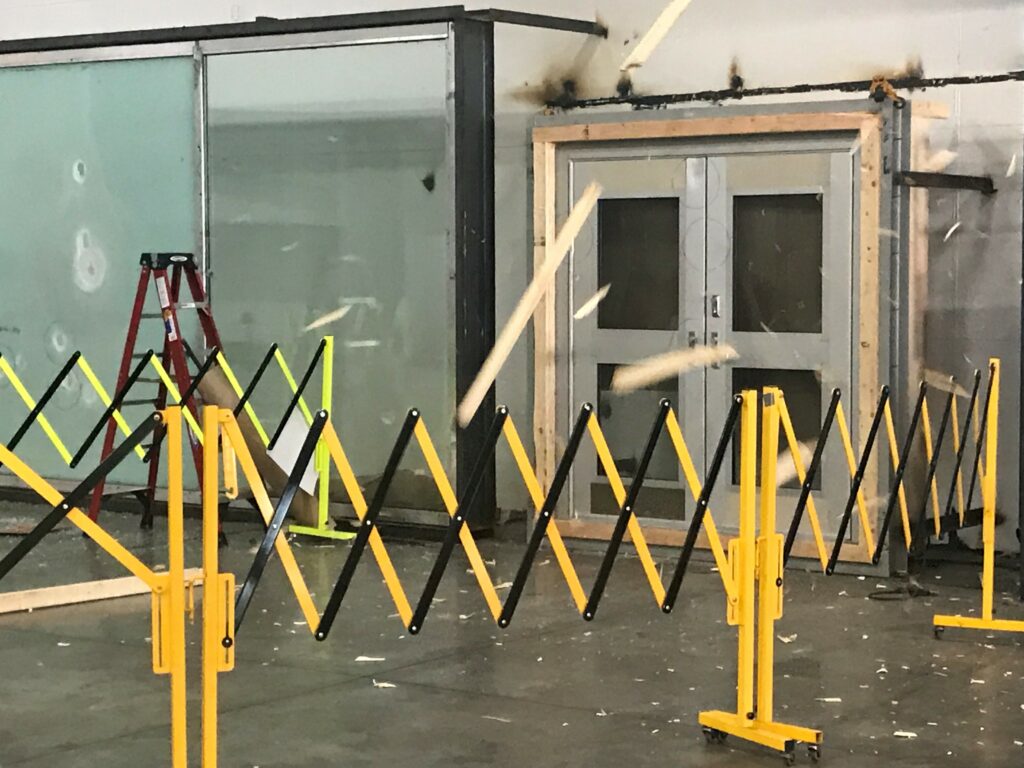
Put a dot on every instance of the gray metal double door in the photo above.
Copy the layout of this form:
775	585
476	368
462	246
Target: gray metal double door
736	244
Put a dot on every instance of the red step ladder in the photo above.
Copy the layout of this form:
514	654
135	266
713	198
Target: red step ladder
165	271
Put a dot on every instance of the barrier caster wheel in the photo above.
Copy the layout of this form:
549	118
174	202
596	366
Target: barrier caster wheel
789	758
937	631
814	752
713	735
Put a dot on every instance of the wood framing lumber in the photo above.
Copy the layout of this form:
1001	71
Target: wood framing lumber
660	367
666	19
528	303
83	592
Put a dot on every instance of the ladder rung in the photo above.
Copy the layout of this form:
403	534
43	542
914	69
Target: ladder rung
152	401
152	315
149	381
138	355
192	305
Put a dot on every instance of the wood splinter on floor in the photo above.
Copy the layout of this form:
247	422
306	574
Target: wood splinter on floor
650	370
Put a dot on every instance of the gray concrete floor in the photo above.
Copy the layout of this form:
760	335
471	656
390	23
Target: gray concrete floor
76	687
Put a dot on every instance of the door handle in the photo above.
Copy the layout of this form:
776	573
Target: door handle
691	339
716	305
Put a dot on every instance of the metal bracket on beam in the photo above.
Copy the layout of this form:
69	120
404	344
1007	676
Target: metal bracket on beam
981	184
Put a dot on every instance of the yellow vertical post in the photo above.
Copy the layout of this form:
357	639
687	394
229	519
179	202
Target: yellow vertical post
987	475
323	457
768	568
989	501
211	619
176	590
756	564
745	551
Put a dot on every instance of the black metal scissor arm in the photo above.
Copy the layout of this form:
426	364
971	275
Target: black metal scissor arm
77	495
728	430
259	563
251	387
48	395
115	404
812	472
298	392
455	527
958	463
858	479
186	396
276	523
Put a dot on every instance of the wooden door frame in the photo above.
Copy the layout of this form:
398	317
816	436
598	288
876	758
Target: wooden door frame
548	139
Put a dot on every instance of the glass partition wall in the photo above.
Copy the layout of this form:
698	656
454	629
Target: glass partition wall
97	164
330	191
310	173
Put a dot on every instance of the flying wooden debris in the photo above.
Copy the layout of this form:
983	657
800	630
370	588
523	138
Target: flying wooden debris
786	468
590	304
660	367
654	35
944	382
329	318
950	232
528	303
1012	169
938	162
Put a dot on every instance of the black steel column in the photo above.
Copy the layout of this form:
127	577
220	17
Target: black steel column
473	138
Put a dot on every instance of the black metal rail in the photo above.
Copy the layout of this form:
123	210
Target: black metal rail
963	444
812	471
77	495
625	513
858	478
901	468
922	518
702	504
247	393
298	393
259	563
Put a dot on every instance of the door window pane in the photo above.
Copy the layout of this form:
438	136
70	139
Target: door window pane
776	263
802	393
329	190
626	420
98	164
638	256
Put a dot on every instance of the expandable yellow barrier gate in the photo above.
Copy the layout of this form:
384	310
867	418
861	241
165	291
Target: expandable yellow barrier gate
168	588
751	566
988	530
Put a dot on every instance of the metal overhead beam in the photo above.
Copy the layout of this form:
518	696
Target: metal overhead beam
265	26
540	21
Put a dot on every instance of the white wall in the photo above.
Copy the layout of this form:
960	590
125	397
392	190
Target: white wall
975	276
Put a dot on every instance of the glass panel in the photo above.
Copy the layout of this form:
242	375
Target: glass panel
802	391
638	255
626	422
98	166
776	265
332	192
